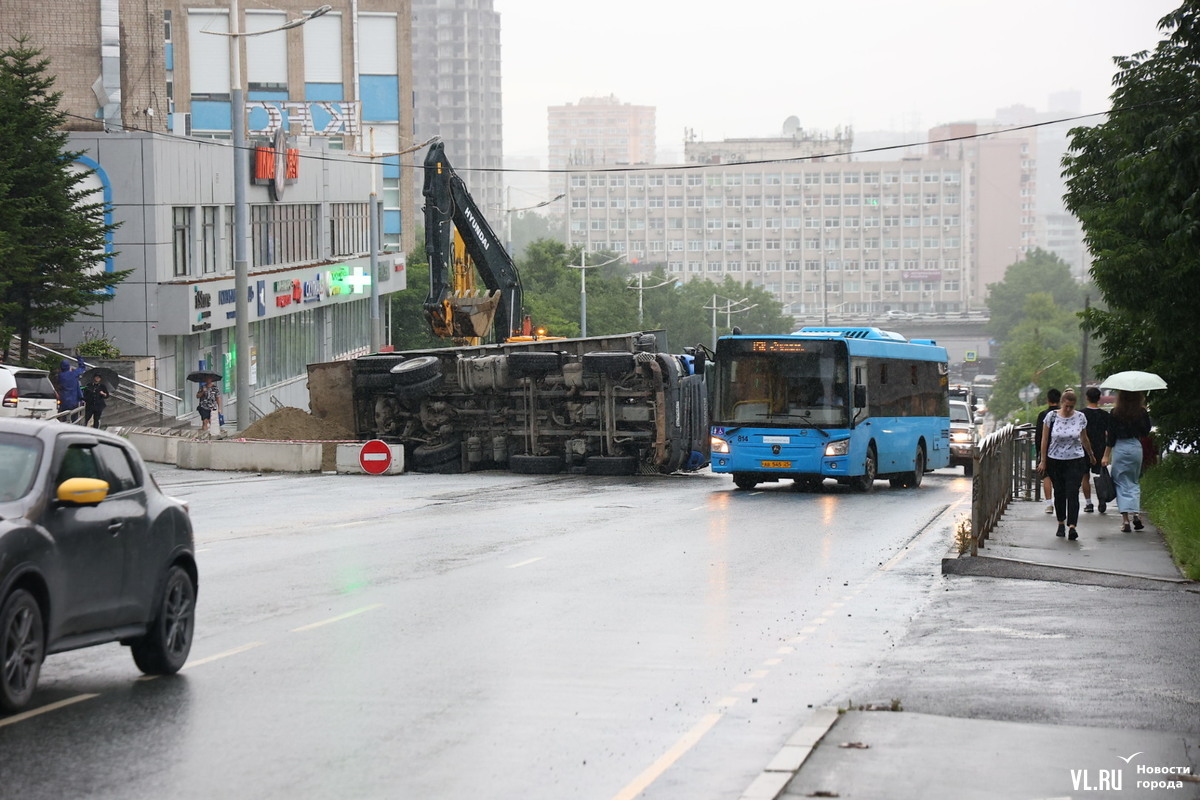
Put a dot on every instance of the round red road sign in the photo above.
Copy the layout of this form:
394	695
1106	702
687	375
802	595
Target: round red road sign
375	457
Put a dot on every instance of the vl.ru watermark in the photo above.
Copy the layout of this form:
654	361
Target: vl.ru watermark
1145	778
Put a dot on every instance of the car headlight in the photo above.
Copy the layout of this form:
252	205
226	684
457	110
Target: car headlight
718	445
960	436
838	448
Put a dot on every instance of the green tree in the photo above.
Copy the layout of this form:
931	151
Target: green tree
1042	349
52	233
530	226
1134	183
1039	271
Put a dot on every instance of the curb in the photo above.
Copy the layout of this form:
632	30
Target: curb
774	778
999	567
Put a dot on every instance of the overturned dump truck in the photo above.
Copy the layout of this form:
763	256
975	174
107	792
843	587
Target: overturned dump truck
601	405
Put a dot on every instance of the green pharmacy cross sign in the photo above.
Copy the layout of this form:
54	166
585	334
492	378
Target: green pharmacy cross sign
343	281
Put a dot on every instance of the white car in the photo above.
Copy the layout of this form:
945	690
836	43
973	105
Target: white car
26	392
896	313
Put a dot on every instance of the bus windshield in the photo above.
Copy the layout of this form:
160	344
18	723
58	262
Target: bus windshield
802	385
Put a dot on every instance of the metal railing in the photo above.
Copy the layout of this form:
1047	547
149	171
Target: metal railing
1004	470
164	404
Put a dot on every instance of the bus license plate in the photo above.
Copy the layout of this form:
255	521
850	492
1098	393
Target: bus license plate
776	465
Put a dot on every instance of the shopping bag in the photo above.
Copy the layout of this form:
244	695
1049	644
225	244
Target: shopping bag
1106	491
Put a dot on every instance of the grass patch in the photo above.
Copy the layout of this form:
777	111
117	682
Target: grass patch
1171	496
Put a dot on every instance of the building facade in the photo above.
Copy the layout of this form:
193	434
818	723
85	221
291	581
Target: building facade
827	236
147	99
457	93
600	131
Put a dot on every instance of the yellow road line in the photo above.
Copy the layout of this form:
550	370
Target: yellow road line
525	563
664	762
338	618
227	653
33	712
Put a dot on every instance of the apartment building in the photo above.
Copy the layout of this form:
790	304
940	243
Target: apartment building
456	90
600	131
147	95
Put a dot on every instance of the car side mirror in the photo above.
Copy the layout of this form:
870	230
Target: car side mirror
82	492
860	395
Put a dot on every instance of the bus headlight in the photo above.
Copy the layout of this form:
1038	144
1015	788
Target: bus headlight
718	445
838	448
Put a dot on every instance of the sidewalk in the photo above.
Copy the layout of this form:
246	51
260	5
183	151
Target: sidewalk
1076	675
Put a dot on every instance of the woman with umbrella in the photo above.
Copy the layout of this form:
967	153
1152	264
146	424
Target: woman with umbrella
209	395
1128	423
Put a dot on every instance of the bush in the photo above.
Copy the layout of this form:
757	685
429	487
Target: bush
1171	496
96	346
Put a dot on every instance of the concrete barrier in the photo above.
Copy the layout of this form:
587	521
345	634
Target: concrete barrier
253	456
156	447
347	459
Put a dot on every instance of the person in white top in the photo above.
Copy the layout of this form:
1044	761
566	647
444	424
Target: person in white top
1066	454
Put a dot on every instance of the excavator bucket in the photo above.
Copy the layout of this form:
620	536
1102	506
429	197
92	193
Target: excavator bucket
465	314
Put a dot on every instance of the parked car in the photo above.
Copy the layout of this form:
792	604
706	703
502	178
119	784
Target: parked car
26	392
964	436
896	313
91	551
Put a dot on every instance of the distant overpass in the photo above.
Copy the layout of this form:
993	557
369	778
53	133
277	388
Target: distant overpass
960	334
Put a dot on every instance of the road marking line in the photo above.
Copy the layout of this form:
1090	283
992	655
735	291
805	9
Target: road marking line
759	673
348	524
338	618
796	639
742	688
525	563
809	629
772	662
227	653
929	526
33	712
664	762
836	605
727	702
820	620
783	651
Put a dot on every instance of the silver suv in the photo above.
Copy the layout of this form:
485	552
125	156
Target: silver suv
26	392
964	436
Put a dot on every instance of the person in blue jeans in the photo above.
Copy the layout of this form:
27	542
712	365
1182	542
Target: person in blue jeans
1128	423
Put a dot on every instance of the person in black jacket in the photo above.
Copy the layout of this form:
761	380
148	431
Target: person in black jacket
1097	431
1128	423
1052	398
95	396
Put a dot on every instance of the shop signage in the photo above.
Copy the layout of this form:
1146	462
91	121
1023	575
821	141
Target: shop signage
343	116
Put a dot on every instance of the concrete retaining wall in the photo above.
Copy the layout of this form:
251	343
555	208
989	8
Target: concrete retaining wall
253	456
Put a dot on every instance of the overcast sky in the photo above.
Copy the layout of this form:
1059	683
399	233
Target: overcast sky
735	69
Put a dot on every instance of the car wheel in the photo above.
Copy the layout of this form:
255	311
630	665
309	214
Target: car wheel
22	648
611	465
526	464
866	481
416	370
165	647
743	481
969	469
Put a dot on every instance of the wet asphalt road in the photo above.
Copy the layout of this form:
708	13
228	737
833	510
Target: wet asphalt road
493	636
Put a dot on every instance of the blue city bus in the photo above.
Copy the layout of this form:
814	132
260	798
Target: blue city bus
852	404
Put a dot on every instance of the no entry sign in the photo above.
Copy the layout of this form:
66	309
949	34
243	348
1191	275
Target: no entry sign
375	457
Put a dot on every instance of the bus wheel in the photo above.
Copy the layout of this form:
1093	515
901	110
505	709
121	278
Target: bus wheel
743	480
866	481
912	480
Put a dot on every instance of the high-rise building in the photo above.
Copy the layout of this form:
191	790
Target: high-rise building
456	91
826	235
600	131
147	93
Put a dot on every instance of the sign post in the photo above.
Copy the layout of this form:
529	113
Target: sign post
375	457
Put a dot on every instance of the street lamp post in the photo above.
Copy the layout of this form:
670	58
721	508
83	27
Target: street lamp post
583	267
729	310
241	209
509	211
640	288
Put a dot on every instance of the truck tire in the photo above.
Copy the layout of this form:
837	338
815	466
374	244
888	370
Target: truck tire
374	381
428	454
604	362
416	370
418	390
532	365
526	464
611	465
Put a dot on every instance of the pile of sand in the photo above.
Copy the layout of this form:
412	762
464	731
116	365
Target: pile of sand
292	424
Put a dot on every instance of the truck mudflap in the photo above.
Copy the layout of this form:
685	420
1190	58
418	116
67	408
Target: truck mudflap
600	406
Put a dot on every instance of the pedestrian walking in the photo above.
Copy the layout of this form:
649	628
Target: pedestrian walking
209	396
70	394
95	397
1066	453
1128	423
1097	430
1052	398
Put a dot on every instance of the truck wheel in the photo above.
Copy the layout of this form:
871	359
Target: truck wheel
425	455
744	480
603	362
418	390
526	464
416	370
374	381
611	465
532	365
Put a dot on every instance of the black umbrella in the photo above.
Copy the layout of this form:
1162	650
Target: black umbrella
107	375
203	376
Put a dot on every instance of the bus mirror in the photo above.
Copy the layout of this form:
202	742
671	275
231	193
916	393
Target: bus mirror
860	395
698	363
